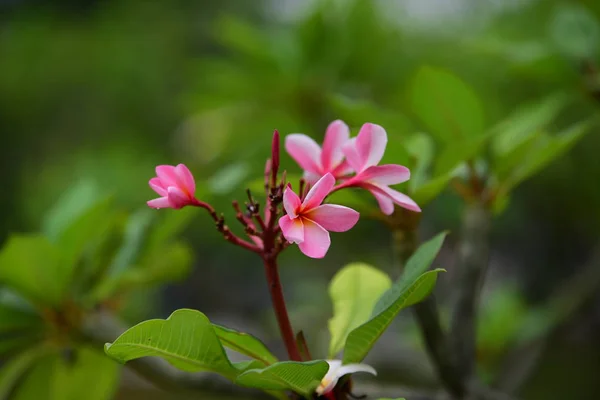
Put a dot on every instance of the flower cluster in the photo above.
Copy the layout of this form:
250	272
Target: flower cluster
342	162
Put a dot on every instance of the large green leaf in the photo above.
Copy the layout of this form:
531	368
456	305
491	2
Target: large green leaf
446	105
35	268
456	153
414	285
186	339
245	343
430	189
13	318
300	377
354	290
420	146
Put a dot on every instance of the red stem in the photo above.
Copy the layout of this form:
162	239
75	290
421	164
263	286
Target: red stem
276	290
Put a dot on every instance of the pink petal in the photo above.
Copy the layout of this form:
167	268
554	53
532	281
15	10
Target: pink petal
311	177
177	197
161	202
186	179
305	151
291	202
385	203
333	217
318	192
370	144
342	169
167	175
157	186
316	240
399	198
336	136
389	174
352	156
292	229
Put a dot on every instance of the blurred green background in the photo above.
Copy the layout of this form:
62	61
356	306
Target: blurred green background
100	92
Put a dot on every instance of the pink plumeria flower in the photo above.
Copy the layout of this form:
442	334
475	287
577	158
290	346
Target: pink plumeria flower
316	162
363	153
307	222
336	371
175	185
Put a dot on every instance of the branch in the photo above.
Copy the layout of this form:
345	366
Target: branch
473	262
102	327
427	316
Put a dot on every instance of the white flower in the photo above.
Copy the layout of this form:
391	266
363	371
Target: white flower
336	371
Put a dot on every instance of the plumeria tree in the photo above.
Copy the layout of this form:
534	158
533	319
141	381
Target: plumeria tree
188	340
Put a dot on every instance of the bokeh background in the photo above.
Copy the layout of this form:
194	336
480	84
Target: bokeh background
100	92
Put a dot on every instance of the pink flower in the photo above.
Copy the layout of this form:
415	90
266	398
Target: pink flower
175	185
307	222
317	162
363	153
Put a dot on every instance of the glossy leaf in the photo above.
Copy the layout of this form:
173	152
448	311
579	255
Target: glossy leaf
354	290
186	339
35	268
245	343
446	105
414	285
302	378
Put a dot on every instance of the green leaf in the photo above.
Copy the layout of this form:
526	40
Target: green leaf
456	153
420	146
186	339
86	230
20	340
547	149
525	122
13	370
354	290
72	204
301	377
13	318
430	189
170	263
414	285
245	343
35	268
227	179
446	105
90	369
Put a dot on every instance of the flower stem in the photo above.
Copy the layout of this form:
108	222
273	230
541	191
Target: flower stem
283	320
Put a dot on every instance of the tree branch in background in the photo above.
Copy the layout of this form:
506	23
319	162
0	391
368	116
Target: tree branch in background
472	267
102	327
426	312
575	294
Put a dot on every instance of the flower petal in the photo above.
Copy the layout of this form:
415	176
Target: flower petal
167	175
352	156
316	240
291	202
330	379
353	368
370	144
311	178
342	169
389	174
156	185
336	136
386	204
292	229
161	202
305	151
318	192
399	198
177	197
333	217
185	179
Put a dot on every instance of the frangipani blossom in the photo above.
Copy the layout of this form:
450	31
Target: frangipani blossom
307	222
175	185
317	161
336	371
363	153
